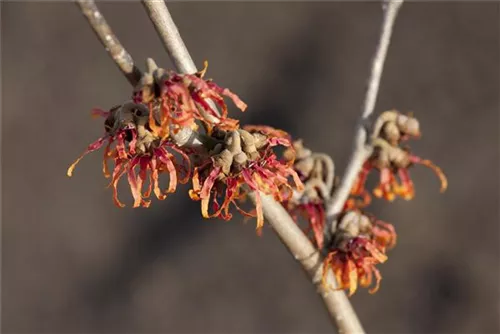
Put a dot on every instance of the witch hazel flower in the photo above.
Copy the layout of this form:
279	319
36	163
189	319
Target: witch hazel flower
184	98
241	161
358	245
137	152
392	160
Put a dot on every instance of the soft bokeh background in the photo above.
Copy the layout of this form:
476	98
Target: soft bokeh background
74	263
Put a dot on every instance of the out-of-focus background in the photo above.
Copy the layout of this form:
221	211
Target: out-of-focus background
74	263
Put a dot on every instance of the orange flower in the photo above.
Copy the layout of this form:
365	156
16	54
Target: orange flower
355	265
244	163
182	99
132	147
391	162
358	245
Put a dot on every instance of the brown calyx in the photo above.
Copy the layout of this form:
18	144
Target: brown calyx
238	147
351	225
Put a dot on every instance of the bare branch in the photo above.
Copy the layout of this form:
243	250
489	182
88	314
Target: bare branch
336	302
290	234
362	149
294	239
173	43
115	49
169	35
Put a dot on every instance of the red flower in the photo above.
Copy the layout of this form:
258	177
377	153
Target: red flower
242	159
358	245
391	162
355	266
182	98
390	129
132	146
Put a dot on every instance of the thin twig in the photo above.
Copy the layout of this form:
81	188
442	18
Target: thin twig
173	43
169	35
115	49
124	61
362	148
336	302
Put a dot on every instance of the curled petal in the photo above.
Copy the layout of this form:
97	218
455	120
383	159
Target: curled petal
258	201
384	189
209	182
154	175
120	146
118	171
166	159
379	256
195	192
436	169
92	147
135	185
143	173
206	190
406	190
351	273
96	112
378	278
185	162
107	155
316	215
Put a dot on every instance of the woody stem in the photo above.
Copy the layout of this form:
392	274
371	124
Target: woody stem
108	39
362	147
290	234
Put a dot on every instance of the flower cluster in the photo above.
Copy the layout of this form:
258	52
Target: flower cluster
243	160
184	98
391	159
131	145
358	245
233	162
359	241
355	242
138	132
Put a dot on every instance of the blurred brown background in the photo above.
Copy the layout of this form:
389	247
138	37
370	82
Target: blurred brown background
74	263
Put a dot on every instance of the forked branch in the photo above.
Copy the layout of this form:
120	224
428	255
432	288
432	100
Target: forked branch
362	146
291	235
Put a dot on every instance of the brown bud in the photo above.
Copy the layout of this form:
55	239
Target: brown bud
224	160
260	140
408	125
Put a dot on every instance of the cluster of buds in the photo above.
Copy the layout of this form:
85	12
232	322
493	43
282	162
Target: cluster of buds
358	244
243	160
317	172
391	159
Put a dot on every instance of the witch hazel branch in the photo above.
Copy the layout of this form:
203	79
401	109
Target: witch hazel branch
177	126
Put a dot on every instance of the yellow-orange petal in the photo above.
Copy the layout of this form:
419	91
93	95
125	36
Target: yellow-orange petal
260	213
352	273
